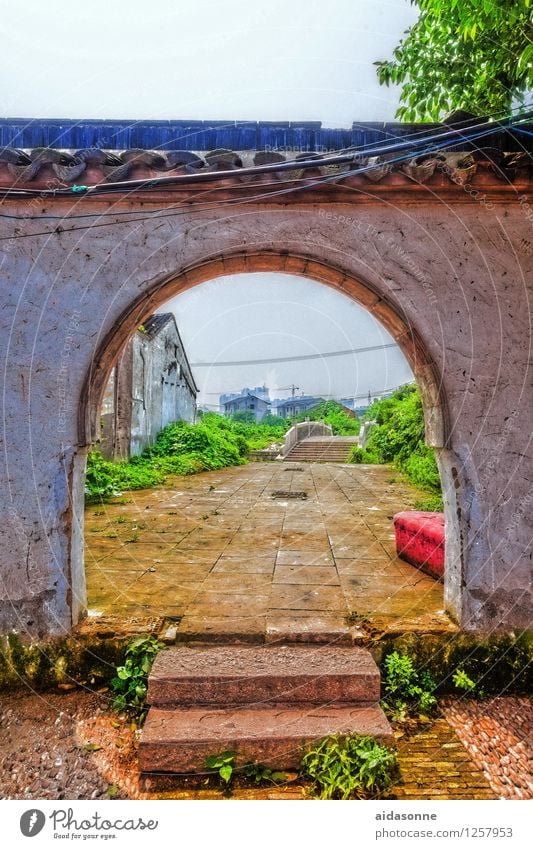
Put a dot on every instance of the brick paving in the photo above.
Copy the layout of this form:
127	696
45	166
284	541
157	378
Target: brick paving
98	751
434	764
220	553
498	734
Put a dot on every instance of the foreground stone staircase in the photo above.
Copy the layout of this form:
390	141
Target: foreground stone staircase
322	449
264	703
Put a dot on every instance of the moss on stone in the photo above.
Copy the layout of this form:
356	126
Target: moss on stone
65	660
501	663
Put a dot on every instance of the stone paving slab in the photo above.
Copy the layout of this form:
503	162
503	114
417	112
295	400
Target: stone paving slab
216	546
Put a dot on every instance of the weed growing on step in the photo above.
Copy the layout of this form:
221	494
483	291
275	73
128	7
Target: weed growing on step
354	618
406	692
130	683
259	774
346	767
224	764
466	685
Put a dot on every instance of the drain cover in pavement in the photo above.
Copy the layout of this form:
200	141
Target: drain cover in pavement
295	469
282	493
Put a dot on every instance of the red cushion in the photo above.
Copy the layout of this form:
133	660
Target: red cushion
420	540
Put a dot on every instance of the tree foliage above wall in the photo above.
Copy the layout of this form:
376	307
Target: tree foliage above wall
472	55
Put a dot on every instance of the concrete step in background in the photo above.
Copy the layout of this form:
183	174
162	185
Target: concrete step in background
317	450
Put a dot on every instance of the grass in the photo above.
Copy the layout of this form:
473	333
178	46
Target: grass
215	442
398	438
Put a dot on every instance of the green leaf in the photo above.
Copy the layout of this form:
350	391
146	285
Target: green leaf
226	772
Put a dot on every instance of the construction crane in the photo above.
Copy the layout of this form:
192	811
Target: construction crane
292	387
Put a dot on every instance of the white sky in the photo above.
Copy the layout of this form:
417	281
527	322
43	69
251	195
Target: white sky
208	59
255	316
224	60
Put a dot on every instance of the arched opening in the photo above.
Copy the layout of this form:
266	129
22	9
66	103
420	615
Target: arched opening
400	328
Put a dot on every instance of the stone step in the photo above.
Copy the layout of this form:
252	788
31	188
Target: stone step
318	451
223	676
179	740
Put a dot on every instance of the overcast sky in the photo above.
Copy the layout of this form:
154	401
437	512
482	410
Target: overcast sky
257	316
225	60
209	59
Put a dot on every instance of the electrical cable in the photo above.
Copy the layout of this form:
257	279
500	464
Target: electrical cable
228	202
297	358
323	395
446	137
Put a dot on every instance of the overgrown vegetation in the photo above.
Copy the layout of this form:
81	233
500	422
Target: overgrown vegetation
223	764
398	437
131	681
215	442
345	767
333	414
271	429
407	692
502	663
463	54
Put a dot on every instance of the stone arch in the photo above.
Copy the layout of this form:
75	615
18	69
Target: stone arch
448	283
401	327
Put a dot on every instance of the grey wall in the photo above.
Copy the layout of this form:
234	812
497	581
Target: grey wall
149	388
450	279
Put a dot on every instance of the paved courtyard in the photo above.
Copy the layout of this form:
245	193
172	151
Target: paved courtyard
243	553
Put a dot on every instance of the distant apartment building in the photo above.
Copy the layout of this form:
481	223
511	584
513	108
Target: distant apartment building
297	405
260	391
150	386
252	403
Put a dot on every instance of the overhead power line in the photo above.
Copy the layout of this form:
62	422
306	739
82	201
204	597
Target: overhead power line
449	138
325	395
298	358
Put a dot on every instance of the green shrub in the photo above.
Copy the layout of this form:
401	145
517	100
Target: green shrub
398	437
344	767
357	455
406	691
333	414
130	683
105	479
